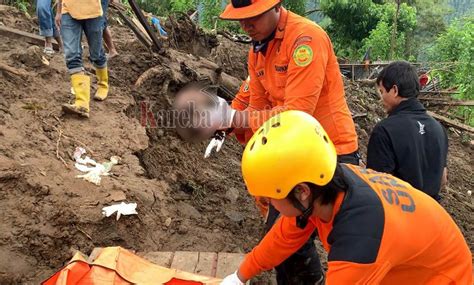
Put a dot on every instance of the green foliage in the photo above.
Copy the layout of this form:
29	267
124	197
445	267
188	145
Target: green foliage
457	45
379	39
22	5
431	22
183	5
156	7
351	21
359	24
209	17
296	6
210	13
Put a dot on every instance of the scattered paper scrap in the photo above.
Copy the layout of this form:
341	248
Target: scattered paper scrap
121	209
93	170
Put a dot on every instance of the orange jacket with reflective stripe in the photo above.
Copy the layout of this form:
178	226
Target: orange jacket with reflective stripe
383	231
299	71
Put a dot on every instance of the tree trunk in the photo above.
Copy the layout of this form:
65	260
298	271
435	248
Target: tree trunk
393	44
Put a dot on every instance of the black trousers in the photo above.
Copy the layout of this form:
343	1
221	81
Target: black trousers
351	158
304	266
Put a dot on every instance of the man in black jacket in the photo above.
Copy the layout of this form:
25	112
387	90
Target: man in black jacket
409	143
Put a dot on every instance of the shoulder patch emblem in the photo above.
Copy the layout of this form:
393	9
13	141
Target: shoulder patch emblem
303	55
246	87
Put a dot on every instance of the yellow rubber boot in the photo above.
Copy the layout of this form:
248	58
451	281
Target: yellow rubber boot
81	84
102	84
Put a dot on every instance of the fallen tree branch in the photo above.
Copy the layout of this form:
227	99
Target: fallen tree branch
67	137
84	232
451	122
60	133
12	70
439	101
361	115
150	73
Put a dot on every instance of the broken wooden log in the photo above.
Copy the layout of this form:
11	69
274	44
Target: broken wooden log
12	70
451	122
24	36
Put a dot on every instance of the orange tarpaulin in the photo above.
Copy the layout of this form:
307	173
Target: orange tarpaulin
118	266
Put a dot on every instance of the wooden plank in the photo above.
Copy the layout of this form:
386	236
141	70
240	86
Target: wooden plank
138	12
24	36
438	92
141	28
94	254
207	264
185	261
451	122
143	38
159	258
228	263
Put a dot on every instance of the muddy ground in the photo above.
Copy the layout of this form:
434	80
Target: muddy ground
184	201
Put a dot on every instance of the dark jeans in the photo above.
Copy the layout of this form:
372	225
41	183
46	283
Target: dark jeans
45	14
303	267
71	33
105	7
351	158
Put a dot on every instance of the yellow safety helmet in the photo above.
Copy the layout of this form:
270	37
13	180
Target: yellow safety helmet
290	148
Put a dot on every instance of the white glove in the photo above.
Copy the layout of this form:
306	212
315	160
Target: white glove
232	279
221	114
216	142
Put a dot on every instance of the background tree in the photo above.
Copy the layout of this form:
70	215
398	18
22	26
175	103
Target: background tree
356	25
296	6
456	45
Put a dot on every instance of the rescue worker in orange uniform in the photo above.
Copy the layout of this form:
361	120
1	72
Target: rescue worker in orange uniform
292	66
376	228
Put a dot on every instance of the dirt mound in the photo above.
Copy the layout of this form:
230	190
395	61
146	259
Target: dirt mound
13	18
185	36
184	201
231	56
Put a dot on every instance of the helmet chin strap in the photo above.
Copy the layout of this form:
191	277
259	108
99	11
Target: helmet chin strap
302	220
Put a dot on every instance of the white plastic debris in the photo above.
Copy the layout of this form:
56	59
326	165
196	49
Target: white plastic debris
469	193
121	209
93	170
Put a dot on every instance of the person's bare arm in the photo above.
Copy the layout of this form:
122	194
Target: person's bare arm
57	19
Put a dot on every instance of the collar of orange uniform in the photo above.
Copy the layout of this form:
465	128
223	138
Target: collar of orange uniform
336	207
280	31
